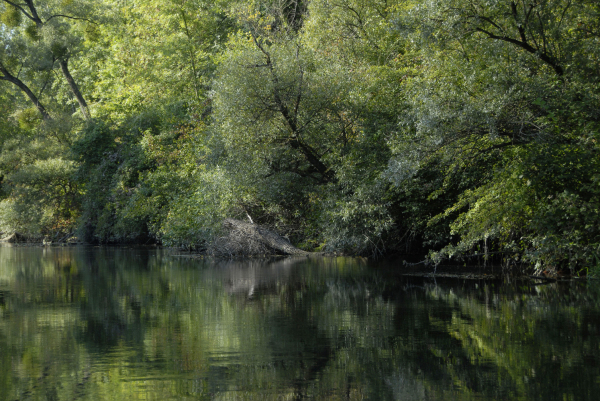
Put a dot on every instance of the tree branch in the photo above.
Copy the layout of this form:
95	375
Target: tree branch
6	76
513	7
527	47
490	21
34	15
71	17
20	8
294	140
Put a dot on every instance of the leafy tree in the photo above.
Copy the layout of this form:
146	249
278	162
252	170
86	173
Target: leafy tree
47	184
10	62
47	35
502	79
305	126
154	53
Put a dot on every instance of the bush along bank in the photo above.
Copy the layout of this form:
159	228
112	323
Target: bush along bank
452	129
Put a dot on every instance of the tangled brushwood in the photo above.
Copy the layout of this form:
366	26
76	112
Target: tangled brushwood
246	239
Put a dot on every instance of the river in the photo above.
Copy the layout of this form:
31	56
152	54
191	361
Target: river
95	323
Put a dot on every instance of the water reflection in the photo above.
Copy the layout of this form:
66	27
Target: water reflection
101	323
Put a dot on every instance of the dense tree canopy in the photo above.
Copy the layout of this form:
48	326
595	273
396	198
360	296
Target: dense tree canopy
443	127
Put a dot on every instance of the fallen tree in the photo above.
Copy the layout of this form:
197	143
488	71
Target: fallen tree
247	239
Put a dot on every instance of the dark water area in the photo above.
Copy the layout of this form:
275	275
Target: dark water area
87	323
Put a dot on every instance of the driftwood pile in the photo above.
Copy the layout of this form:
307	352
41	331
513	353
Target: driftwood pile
247	239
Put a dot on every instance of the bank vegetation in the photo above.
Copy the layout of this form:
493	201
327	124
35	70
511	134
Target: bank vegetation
446	128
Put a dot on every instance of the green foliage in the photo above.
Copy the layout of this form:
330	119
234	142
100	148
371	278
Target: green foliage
93	143
154	52
194	218
494	82
44	199
143	175
356	30
28	118
544	208
442	127
302	135
32	32
11	17
108	171
170	193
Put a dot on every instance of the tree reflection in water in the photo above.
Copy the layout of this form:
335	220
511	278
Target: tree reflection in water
102	323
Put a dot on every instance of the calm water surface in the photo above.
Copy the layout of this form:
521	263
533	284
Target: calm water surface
125	324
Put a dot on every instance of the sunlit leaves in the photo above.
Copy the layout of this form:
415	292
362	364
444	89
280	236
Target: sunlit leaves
11	16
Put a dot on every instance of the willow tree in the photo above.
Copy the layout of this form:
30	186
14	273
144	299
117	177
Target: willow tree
305	125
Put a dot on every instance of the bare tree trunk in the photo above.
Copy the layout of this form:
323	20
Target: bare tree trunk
74	88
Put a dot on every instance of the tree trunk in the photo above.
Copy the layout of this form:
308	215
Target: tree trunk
74	88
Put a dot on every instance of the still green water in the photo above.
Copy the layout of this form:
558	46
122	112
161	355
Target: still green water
127	324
